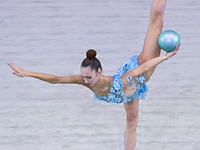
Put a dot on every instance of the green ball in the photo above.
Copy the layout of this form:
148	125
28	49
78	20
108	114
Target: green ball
168	40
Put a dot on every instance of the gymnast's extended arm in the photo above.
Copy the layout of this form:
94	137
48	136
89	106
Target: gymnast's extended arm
72	79
152	63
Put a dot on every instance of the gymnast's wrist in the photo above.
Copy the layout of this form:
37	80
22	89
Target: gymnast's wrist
166	57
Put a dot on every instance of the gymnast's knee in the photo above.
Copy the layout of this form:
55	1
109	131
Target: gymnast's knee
157	12
132	121
158	7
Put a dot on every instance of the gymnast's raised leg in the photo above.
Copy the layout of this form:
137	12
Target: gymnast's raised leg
150	50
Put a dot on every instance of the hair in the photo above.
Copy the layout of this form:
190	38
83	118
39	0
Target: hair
91	60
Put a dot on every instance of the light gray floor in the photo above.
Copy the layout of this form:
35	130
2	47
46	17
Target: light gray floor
52	36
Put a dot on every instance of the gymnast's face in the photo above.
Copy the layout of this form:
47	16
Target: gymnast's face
89	76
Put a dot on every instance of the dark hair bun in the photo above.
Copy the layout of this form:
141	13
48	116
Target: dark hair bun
91	54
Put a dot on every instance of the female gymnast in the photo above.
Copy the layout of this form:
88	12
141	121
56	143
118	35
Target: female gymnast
128	86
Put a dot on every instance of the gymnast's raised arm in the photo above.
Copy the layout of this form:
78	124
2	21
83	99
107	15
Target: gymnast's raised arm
152	63
72	79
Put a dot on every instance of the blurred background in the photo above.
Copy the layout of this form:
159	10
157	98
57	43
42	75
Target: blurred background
52	36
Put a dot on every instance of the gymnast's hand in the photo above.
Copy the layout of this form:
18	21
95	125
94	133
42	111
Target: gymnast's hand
174	52
17	70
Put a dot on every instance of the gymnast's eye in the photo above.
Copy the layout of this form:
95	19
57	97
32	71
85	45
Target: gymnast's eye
88	77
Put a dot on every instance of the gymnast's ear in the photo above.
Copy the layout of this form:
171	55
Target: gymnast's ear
99	71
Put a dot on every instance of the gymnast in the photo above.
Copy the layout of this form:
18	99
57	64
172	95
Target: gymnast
128	85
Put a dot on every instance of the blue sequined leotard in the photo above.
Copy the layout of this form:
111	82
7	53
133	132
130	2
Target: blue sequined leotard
116	94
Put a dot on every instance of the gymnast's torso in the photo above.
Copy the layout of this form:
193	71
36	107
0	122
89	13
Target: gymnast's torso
121	88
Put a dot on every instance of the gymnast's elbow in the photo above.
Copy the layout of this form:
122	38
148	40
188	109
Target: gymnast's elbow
54	80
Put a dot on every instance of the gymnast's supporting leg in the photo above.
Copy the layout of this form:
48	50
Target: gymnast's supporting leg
130	135
150	50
